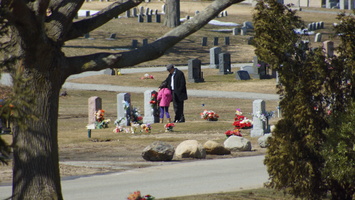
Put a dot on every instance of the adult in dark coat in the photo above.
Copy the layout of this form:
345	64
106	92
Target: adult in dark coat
177	84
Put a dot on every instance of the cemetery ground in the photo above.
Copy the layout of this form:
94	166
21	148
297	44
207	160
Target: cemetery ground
106	151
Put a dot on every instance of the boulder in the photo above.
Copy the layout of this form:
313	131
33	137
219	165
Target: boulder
262	141
213	147
236	143
158	151
190	149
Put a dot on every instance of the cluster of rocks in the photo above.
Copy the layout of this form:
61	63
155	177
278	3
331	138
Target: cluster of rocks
162	151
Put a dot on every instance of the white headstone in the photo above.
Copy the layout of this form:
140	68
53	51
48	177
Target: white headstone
150	110
258	123
124	108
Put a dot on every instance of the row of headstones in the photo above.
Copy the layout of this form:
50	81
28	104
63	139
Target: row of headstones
315	26
215	41
124	108
244	29
260	127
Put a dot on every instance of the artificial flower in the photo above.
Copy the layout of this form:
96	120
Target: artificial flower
169	127
209	115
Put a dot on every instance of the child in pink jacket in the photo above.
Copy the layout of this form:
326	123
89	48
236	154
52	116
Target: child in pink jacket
164	98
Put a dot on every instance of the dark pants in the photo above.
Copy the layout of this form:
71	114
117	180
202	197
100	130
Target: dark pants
178	109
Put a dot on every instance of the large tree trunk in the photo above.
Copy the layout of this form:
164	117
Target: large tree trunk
36	160
172	13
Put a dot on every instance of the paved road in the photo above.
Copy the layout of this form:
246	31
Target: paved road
5	79
176	179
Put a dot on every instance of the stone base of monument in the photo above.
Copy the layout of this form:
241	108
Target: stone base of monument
256	132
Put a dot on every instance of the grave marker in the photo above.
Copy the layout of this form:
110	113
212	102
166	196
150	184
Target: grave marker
226	41
151	112
242	75
204	41
124	108
214	59
215	41
224	63
94	104
195	75
328	47
318	37
134	43
157	18
258	124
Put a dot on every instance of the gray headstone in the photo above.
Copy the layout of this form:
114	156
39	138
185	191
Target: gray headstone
248	25
135	13
141	10
109	71
224	63
157	18
156	12
163	8
255	64
309	27
94	104
242	75
226	41
195	74
328	47
87	35
321	25
146	11
318	37
243	30
140	18
88	13
134	43
258	124
215	41
124	108
151	114
214	59
314	26
128	13
204	41
236	31
225	13
149	18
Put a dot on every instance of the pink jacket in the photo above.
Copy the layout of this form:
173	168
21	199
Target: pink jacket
164	97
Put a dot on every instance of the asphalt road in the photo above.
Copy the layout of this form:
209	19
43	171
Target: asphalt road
176	179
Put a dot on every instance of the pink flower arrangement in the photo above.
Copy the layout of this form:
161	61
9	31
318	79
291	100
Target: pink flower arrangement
147	76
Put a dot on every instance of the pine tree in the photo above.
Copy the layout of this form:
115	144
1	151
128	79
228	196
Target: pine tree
314	89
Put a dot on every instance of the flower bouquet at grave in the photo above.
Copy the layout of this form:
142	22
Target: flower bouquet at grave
147	76
146	128
137	196
101	122
240	121
235	132
153	100
169	127
136	116
134	128
209	115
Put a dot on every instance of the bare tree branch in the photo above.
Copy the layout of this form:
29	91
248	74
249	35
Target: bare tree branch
148	52
86	25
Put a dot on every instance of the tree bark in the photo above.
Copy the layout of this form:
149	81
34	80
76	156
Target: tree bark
36	161
172	13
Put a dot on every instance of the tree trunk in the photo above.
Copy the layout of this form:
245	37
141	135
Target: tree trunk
172	14
36	161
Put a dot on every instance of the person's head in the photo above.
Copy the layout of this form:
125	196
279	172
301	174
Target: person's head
163	84
170	68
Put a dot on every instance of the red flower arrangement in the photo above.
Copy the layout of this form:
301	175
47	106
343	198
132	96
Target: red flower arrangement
137	196
209	115
147	76
169	127
153	100
235	132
